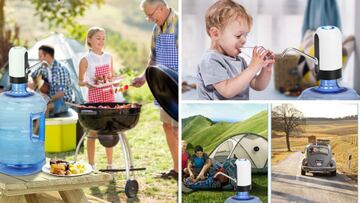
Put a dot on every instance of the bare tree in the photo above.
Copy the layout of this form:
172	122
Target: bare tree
287	119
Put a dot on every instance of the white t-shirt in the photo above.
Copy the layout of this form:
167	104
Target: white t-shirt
96	60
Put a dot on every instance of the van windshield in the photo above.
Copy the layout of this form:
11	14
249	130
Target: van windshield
318	150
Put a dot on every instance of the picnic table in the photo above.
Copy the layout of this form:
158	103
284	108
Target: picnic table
26	189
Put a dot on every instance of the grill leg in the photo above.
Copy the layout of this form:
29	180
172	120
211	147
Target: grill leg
129	151
79	144
131	156
127	154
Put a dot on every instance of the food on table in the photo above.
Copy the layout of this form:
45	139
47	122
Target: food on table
64	168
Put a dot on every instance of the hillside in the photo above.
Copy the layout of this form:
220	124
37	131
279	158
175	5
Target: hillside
199	130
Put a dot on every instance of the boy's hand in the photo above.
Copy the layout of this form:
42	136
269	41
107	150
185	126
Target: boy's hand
261	58
269	56
201	177
192	178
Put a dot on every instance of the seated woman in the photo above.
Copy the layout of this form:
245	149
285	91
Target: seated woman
184	159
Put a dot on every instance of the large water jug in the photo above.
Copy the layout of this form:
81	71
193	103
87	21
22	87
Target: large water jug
329	89
22	121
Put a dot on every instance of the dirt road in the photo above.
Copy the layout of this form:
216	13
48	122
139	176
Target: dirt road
288	185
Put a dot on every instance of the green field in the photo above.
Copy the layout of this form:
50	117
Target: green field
259	189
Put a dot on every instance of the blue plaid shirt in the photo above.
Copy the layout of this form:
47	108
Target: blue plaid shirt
60	79
171	26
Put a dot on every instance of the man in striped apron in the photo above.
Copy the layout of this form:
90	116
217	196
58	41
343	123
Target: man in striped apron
164	51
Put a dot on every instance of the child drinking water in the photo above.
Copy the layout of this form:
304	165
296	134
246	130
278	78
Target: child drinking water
222	73
96	64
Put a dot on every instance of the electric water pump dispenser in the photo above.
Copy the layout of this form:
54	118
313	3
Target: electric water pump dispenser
243	183
328	64
22	121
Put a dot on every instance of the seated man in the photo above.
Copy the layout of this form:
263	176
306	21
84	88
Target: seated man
57	77
199	164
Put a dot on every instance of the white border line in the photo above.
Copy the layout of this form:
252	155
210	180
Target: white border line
179	196
269	151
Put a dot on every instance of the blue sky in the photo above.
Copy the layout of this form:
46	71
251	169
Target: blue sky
229	112
326	110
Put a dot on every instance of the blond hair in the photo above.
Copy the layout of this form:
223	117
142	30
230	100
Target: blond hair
222	12
91	32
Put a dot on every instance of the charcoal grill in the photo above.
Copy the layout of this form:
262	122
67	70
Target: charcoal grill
110	123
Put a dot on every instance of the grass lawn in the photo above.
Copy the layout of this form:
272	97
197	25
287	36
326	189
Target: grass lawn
259	189
148	144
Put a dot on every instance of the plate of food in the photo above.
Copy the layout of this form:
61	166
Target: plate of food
62	168
104	81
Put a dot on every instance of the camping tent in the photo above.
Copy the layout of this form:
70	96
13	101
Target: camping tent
246	145
68	52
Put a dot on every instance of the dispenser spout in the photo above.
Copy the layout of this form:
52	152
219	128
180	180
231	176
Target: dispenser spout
300	52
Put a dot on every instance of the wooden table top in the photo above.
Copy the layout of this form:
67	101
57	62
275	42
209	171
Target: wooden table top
42	182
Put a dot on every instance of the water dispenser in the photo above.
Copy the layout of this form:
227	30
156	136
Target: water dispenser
22	121
328	66
243	183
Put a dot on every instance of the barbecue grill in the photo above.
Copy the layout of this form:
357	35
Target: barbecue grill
110	120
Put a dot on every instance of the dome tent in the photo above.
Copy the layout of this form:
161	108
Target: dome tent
245	145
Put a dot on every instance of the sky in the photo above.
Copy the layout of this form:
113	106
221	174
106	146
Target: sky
326	110
228	112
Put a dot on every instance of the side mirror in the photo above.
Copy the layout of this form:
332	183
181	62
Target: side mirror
302	152
333	154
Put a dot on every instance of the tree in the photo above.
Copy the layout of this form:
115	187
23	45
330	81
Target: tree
57	13
63	13
287	119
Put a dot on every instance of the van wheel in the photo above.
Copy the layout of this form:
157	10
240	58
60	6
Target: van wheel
302	172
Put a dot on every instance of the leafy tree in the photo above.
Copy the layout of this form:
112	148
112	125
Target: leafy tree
287	119
63	13
57	13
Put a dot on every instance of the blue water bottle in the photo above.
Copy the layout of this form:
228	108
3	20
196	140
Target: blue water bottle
22	121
